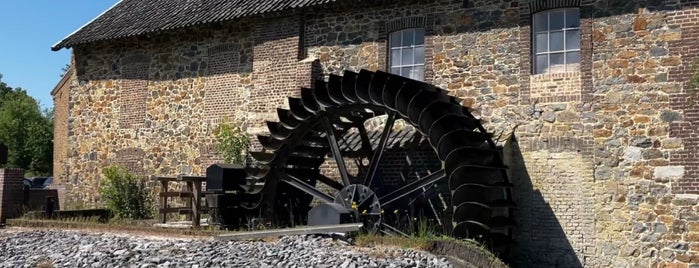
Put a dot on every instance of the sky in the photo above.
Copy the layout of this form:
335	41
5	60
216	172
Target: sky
28	29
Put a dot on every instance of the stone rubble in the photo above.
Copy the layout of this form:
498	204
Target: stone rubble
55	248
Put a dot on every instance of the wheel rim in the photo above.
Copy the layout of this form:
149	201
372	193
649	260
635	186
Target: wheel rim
314	126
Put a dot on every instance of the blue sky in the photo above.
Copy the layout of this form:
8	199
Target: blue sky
28	29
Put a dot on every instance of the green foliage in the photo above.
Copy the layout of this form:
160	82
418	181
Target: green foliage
231	142
125	194
26	131
694	79
426	229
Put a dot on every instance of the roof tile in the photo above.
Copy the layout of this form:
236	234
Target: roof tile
138	17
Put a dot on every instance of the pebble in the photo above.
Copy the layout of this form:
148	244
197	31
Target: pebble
59	248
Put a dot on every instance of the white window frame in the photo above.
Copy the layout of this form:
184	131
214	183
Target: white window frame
418	63
567	67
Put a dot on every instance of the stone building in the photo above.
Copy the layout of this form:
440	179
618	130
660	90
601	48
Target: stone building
593	100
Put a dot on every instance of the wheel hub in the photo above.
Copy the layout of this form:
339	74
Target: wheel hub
363	202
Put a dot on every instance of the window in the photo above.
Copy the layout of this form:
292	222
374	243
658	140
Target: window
407	56
556	37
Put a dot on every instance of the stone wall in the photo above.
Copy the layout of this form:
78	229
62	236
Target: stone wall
603	157
638	172
152	106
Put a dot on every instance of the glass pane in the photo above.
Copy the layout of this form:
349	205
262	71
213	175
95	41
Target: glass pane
572	57
418	73
419	55
542	42
555	41
572	18
419	36
407	56
556	20
405	71
557	59
407	37
572	39
542	63
395	39
395	70
395	57
540	21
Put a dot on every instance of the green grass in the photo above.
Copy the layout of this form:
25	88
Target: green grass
474	251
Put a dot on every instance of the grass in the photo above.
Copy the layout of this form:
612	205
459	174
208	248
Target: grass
44	264
462	250
372	240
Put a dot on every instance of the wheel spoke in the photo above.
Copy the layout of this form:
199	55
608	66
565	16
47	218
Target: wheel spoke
374	164
434	211
329	182
392	229
330	130
303	186
366	142
411	187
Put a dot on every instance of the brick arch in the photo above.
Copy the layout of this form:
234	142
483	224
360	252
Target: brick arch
404	23
541	5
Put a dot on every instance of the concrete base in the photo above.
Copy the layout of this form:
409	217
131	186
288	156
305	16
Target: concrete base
326	229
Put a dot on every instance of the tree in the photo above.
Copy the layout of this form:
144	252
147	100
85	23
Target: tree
4	89
26	131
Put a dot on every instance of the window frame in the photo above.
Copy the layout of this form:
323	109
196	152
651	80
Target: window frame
567	67
400	47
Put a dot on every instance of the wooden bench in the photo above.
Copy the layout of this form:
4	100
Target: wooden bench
192	192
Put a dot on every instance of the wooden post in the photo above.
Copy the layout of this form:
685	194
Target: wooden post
163	200
196	203
190	215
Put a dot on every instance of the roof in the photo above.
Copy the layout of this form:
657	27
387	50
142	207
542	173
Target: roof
137	17
64	79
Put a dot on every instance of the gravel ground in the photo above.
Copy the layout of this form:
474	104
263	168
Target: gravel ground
42	248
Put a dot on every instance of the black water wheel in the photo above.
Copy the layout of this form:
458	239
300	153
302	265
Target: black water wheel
314	131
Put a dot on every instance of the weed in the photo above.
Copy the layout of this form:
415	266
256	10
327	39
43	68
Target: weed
44	263
126	194
231	142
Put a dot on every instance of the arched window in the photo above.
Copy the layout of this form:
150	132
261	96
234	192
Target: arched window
407	53
556	38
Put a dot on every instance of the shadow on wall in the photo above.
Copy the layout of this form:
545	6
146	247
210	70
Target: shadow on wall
541	240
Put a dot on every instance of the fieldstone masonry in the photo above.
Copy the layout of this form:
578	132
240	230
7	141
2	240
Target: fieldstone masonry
604	156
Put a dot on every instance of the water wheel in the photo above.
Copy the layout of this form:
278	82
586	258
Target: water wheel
340	142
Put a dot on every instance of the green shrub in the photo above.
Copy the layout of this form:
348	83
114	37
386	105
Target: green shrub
126	195
231	142
694	78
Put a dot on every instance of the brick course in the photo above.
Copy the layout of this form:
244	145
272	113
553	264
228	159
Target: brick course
684	49
11	193
60	128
